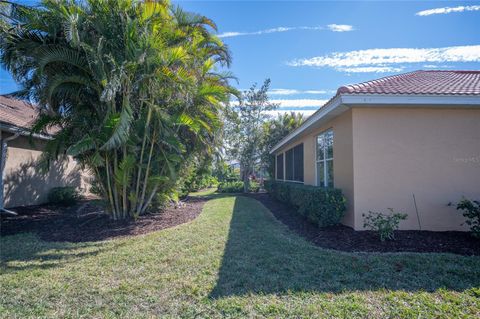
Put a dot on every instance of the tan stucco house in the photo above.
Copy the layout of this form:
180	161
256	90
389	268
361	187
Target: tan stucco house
22	182
410	142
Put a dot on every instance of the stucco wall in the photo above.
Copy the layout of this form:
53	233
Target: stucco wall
24	181
342	158
432	153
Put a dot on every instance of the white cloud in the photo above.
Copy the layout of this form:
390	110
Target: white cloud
290	104
304	106
294	92
299	103
266	31
371	69
446	10
340	27
319	91
231	34
283	92
331	27
306	113
381	59
435	66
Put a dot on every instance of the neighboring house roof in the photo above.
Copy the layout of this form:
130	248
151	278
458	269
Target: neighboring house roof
18	116
17	112
418	88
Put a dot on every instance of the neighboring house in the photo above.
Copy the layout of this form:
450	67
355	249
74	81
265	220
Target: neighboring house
24	183
410	142
234	164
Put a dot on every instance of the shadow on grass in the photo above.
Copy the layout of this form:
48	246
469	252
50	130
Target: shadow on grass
263	256
28	252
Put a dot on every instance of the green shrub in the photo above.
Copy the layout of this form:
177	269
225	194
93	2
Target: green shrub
196	182
471	211
237	187
385	225
322	206
230	187
64	195
254	186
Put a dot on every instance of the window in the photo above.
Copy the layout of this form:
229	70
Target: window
298	163
294	164
289	165
280	166
324	159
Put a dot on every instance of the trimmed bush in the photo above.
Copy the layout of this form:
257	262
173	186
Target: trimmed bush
322	206
230	187
237	187
64	195
385	225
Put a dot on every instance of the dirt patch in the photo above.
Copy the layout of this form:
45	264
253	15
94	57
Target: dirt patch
87	222
346	239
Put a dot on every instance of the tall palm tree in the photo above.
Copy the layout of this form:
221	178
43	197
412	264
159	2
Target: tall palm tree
132	85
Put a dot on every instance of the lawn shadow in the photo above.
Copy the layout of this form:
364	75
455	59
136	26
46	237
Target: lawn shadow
262	256
28	252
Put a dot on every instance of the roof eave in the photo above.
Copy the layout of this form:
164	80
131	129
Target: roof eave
319	114
435	100
23	131
342	102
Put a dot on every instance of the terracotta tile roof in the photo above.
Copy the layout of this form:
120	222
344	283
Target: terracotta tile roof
17	112
420	82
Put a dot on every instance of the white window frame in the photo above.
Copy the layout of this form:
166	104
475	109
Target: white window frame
324	160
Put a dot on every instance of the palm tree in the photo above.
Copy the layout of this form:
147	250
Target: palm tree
131	85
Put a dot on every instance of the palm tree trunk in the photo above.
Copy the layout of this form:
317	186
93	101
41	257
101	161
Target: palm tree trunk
115	184
124	191
109	186
147	172
139	176
154	191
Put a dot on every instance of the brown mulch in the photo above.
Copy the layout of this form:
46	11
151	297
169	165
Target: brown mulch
346	239
87	222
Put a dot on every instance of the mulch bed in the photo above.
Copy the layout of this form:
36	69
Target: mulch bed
87	221
346	239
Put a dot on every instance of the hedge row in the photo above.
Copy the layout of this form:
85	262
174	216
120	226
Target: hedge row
237	187
230	187
322	206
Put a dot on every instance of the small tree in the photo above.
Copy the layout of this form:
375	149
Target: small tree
245	128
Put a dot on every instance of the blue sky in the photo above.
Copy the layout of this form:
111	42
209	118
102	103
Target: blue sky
309	49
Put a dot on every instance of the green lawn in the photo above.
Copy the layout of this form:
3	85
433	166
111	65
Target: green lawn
234	260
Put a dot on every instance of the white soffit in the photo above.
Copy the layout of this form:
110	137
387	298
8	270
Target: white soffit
343	102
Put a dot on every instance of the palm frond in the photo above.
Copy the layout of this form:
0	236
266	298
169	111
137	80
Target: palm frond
121	124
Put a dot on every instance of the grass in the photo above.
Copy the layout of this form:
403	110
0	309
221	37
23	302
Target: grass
234	260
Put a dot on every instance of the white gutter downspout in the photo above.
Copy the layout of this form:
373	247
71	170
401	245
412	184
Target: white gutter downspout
3	160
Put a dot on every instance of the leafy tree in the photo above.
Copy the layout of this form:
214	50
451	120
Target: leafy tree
273	131
198	174
224	172
245	128
131	87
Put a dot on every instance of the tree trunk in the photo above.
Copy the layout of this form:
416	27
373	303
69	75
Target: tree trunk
246	179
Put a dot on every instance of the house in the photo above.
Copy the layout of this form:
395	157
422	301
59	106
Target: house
23	181
410	142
